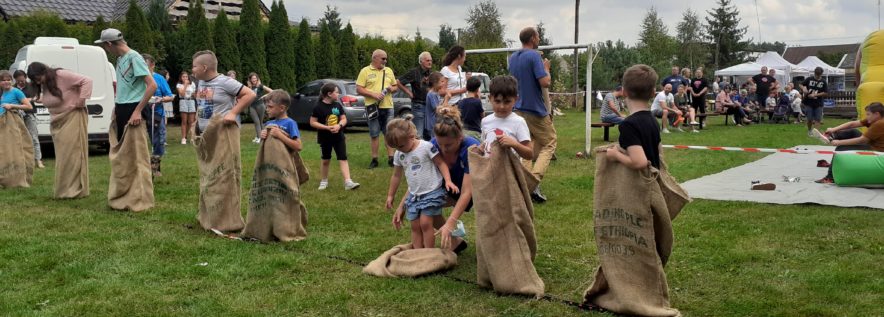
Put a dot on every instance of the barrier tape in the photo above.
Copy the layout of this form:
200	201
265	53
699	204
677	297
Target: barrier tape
766	150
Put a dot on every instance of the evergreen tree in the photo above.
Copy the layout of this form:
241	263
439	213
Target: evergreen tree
99	25
251	41
447	39
347	59
138	33
726	35
657	48
12	41
332	18
225	43
279	50
159	21
326	54
485	27
305	63
198	36
691	38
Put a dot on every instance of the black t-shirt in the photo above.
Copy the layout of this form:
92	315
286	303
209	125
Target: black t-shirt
420	83
328	114
697	86
471	113
814	86
763	83
30	92
641	128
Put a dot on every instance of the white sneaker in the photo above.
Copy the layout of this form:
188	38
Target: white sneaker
665	130
694	123
256	140
183	141
695	131
679	129
809	133
350	185
323	185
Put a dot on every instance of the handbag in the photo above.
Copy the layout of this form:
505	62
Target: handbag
372	111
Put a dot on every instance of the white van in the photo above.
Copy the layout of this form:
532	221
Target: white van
88	60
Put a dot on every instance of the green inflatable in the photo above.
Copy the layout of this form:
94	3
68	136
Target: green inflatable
851	169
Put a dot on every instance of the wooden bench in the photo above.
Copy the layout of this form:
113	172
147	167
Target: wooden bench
605	125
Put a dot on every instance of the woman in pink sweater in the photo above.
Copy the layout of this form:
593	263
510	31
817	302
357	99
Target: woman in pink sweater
64	93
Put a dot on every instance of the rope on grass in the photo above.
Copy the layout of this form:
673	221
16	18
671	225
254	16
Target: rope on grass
766	150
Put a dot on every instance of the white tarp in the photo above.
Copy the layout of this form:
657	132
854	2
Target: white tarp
812	62
735	184
775	61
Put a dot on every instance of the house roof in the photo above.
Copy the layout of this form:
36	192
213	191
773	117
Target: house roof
86	10
796	54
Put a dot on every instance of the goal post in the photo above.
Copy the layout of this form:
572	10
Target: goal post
588	95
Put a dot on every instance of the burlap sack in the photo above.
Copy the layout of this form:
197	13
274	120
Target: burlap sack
276	211
71	139
130	186
634	237
505	240
17	163
403	261
217	151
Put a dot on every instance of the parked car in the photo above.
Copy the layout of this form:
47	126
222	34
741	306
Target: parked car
307	96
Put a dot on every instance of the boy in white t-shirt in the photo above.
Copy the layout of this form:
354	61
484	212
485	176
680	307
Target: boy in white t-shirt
506	127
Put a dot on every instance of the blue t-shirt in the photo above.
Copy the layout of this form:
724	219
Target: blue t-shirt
433	101
288	125
13	96
162	91
462	165
675	81
527	67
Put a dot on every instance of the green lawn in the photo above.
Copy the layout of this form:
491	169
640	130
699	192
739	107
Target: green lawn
77	257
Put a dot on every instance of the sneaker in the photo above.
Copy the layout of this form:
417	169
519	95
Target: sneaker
823	163
537	196
765	186
679	129
256	140
390	161
323	184
351	185
809	133
694	123
40	164
666	131
695	131
373	164
825	180
183	141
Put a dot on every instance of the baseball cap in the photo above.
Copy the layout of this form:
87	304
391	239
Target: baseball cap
109	35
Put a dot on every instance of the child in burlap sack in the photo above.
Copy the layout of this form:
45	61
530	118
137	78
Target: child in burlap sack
428	182
634	236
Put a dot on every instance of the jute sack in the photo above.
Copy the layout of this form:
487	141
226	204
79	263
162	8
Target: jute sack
403	261
634	237
17	163
276	211
217	151
505	240
130	186
70	137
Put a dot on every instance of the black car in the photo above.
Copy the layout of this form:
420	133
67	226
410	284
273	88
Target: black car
354	105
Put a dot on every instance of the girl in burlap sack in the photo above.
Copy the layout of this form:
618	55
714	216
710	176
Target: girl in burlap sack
17	165
428	182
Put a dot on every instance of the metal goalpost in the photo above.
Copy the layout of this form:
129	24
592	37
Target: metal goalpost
587	95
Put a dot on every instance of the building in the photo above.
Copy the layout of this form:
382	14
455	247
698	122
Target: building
87	11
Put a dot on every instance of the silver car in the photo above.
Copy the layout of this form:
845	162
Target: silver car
305	99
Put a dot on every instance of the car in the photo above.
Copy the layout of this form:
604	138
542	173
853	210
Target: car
307	96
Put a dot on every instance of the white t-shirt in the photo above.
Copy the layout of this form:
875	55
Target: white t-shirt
661	97
513	125
421	173
456	80
794	96
216	97
188	92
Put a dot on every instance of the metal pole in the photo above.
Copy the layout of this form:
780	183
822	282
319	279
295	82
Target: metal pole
577	57
587	151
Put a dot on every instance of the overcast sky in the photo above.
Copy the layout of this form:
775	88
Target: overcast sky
796	22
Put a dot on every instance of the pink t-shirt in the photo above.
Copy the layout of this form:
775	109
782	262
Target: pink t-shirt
73	87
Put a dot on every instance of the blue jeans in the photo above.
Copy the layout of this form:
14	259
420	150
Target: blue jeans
379	125
615	119
158	135
419	120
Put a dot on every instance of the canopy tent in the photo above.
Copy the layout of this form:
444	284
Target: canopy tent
812	62
788	70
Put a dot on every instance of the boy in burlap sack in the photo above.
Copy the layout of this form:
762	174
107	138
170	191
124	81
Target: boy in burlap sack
219	100
17	165
505	241
130	186
276	211
634	236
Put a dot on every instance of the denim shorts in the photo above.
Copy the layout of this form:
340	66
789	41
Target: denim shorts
379	125
187	106
813	113
429	204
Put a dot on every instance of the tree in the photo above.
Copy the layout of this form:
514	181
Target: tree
198	36
99	25
12	41
657	48
484	26
777	46
326	54
305	63
726	35
332	18
251	40
138	32
279	49
691	38
447	39
224	38
159	21
347	65
555	63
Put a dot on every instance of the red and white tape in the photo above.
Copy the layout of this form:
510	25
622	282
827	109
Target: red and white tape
765	150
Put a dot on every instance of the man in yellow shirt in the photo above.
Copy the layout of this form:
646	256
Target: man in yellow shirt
377	84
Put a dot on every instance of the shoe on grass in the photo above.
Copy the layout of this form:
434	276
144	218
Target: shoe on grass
538	196
183	141
323	184
40	164
373	164
665	131
351	185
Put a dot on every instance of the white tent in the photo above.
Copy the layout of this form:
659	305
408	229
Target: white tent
785	70
812	62
744	69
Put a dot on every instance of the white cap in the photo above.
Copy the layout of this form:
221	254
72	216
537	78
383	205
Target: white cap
110	35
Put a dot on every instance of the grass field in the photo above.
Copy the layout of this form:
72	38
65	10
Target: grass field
77	257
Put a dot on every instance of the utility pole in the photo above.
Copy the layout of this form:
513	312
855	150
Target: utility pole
576	56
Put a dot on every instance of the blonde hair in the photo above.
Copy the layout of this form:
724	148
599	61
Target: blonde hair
448	122
399	129
278	97
206	58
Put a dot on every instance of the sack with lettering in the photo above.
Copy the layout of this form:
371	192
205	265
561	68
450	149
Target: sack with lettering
70	138
130	186
217	152
276	212
634	237
505	240
17	163
403	261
